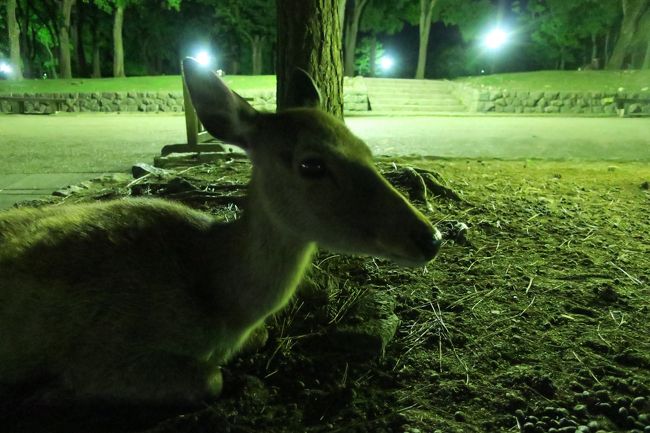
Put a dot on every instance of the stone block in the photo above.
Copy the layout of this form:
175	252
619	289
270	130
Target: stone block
552	109
494	95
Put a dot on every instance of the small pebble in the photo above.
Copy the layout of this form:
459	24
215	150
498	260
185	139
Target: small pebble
644	418
580	409
567	429
622	412
602	395
459	416
529	427
566	422
583	429
520	414
646	429
593	425
604	407
576	387
639	403
623	401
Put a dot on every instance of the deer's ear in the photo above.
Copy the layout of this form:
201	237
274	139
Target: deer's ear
303	91
225	114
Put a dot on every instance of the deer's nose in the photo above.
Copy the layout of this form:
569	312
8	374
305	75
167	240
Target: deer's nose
429	243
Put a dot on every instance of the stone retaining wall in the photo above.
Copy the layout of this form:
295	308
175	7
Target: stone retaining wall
486	100
355	99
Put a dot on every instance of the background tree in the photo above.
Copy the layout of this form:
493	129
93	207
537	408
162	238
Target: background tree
309	37
567	32
466	14
118	8
381	16
14	40
253	21
354	11
634	29
426	15
64	17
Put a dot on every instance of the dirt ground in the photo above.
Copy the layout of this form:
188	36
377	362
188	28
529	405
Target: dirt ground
534	318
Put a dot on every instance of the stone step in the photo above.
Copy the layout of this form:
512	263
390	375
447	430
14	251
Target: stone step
408	92
401	100
419	108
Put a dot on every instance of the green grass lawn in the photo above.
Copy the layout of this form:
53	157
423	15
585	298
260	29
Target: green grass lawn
167	83
575	81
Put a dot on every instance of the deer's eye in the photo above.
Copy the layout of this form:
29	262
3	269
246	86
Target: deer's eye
312	168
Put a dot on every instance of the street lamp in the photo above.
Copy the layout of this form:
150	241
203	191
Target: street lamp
386	63
495	39
204	58
5	68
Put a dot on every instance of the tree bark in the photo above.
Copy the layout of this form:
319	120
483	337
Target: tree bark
14	40
309	37
26	38
351	32
426	15
606	49
632	11
65	63
342	4
373	55
257	49
594	48
80	52
118	44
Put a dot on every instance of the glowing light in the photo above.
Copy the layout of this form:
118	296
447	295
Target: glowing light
386	63
5	68
204	58
496	39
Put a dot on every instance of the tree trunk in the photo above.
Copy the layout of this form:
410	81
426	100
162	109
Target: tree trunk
50	55
342	4
97	63
594	48
632	11
257	46
65	64
351	32
14	40
80	52
606	49
309	37
426	15
373	55
644	39
26	38
118	45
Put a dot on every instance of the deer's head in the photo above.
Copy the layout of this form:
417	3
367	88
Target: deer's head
312	176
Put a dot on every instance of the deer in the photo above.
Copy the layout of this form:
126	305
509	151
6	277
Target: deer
143	300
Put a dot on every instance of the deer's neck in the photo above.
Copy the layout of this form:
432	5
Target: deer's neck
263	265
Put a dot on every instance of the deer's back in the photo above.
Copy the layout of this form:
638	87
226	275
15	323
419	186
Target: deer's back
123	274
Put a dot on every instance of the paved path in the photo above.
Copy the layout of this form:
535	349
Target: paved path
39	154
